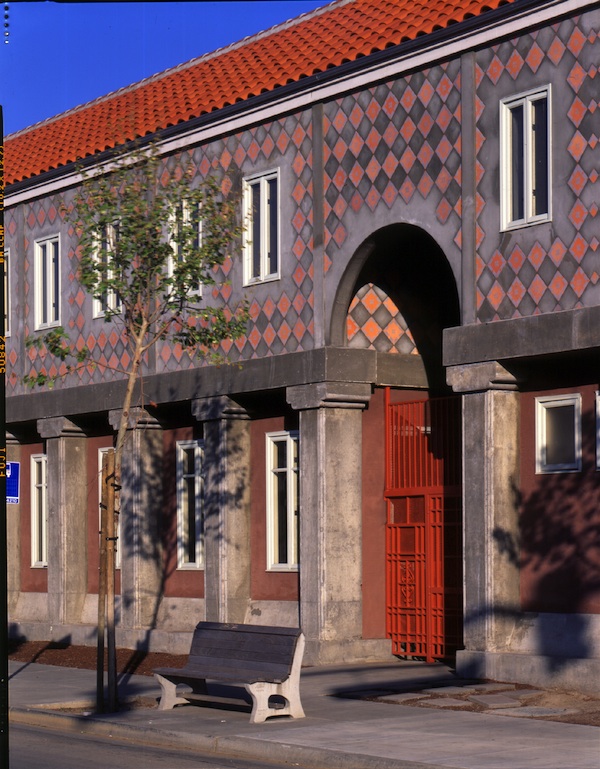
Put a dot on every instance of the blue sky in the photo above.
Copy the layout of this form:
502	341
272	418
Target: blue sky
60	55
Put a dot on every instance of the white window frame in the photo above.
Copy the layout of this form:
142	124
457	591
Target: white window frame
257	258
507	182
111	302
39	511
183	561
118	547
542	405
291	470
6	292
47	281
186	215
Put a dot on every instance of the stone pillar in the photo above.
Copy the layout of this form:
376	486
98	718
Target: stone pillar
491	535
13	532
226	508
67	518
141	506
330	515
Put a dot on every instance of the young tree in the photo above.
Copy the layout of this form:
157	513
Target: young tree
149	246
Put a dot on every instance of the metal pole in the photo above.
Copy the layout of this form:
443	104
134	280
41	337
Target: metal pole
110	581
102	589
3	535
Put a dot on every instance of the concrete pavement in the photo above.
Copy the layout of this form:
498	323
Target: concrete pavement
355	719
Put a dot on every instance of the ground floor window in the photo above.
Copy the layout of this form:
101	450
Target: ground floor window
39	510
558	433
282	500
190	519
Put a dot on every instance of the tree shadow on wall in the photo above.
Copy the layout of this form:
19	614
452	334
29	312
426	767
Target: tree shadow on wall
557	551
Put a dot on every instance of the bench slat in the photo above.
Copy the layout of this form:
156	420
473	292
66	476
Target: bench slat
268	630
265	653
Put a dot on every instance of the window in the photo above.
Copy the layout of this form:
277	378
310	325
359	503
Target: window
39	511
525	158
110	300
6	295
118	548
185	216
261	231
47	282
558	433
190	519
282	500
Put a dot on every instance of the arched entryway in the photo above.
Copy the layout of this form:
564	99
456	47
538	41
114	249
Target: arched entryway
397	296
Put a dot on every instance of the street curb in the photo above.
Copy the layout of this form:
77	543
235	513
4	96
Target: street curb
246	747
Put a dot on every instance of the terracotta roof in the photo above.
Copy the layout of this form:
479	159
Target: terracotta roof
328	37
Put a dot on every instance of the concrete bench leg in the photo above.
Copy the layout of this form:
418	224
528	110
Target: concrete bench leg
289	690
261	710
169	697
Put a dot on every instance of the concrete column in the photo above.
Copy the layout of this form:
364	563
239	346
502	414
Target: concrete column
13	533
491	477
330	516
141	505
67	518
226	508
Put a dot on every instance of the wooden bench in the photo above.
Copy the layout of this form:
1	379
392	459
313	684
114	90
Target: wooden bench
265	659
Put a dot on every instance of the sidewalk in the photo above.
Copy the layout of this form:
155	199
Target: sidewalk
342	728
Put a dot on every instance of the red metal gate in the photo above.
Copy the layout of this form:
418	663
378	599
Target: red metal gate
424	540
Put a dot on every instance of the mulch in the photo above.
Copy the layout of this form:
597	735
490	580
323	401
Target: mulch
85	657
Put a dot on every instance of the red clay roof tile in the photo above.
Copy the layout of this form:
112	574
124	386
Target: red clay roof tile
340	32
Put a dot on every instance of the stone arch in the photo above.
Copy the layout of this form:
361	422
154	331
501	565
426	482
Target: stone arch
405	263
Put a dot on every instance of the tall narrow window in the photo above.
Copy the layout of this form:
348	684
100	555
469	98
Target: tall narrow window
188	217
558	433
190	519
282	500
47	282
39	510
261	231
109	299
525	158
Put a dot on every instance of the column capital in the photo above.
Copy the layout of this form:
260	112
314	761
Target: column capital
217	407
138	417
57	427
479	377
335	395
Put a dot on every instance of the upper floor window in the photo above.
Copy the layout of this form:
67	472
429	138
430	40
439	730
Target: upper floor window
282	500
6	294
190	520
525	159
187	217
109	299
39	510
47	282
261	227
558	433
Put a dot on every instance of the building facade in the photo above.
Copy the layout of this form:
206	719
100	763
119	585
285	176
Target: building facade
402	457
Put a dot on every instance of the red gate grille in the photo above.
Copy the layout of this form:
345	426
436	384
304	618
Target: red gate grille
424	553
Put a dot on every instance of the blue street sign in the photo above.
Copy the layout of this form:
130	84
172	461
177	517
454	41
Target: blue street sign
13	473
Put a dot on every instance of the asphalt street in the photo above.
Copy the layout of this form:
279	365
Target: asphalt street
35	748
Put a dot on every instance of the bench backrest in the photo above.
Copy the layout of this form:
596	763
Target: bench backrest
232	649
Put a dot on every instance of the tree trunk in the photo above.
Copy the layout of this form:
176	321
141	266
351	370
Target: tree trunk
114	509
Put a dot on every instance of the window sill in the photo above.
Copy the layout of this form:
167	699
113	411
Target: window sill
521	224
